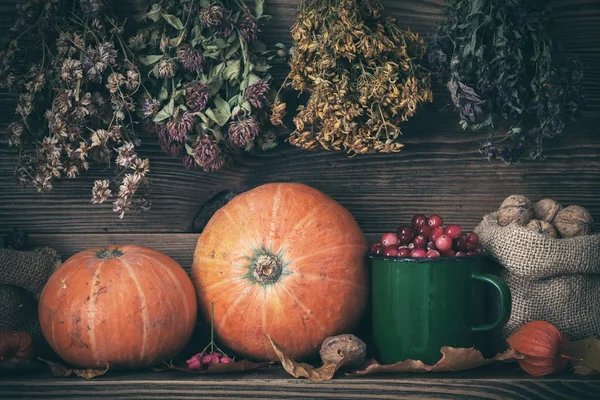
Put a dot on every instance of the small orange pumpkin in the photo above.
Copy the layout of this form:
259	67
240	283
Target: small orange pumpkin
125	306
283	260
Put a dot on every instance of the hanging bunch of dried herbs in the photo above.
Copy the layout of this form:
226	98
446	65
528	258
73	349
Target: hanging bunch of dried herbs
207	86
76	85
505	75
360	72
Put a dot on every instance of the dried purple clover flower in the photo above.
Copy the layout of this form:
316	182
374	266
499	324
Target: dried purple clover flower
207	153
166	69
257	94
180	125
196	96
191	59
16	131
71	70
150	107
248	27
212	16
91	7
101	191
242	132
127	155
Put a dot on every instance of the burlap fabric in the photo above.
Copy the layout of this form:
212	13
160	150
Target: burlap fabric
23	275
556	280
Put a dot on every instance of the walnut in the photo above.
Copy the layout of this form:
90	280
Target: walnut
349	346
574	221
546	209
543	227
515	208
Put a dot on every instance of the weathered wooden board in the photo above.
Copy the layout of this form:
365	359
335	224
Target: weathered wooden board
275	384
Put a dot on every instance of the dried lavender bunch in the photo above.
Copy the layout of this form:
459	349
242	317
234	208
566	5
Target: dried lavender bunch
76	103
207	88
505	75
360	71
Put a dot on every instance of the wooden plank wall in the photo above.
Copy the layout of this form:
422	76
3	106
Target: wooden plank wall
439	171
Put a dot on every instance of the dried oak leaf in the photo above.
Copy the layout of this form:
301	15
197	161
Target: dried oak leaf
586	356
303	370
58	369
453	359
237	366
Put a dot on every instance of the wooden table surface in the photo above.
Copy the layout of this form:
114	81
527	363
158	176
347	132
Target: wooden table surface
502	382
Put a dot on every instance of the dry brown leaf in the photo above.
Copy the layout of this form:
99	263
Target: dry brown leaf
453	359
586	356
237	366
58	369
303	370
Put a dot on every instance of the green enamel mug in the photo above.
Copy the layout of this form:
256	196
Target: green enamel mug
420	305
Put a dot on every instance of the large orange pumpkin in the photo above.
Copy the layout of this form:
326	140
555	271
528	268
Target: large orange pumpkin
125	306
283	260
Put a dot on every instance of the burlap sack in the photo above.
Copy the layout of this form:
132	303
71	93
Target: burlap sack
556	280
23	275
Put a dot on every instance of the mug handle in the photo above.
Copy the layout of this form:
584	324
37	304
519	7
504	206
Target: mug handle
505	301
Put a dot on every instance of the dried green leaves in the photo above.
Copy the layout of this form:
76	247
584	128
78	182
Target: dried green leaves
361	74
504	75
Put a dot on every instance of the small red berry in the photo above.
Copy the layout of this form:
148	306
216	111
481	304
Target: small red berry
389	239
374	247
420	241
461	253
459	244
449	253
435	221
431	246
419	220
433	254
425	231
473	238
471	246
471	253
418	253
453	231
406	230
436	233
390	251
403	252
405	238
444	243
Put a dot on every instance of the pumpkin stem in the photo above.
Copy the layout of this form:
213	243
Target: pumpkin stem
106	253
267	268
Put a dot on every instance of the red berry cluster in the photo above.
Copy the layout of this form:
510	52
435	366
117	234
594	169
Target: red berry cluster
203	360
427	237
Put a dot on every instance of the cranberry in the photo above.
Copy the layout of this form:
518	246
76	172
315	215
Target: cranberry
418	253
431	246
461	253
479	250
403	251
433	254
390	251
436	233
449	253
420	241
405	238
471	246
419	220
406	230
472	238
374	247
389	239
471	253
453	231
410	246
425	231
444	243
459	244
435	221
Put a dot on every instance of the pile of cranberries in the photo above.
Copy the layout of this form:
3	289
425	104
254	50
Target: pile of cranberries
427	237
